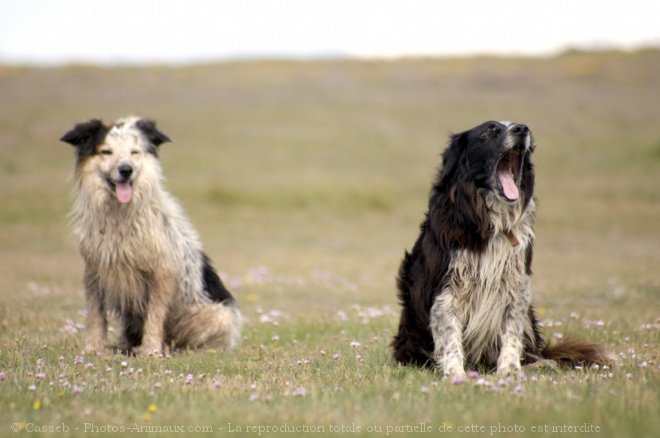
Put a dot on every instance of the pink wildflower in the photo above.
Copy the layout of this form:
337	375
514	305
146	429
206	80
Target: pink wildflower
483	382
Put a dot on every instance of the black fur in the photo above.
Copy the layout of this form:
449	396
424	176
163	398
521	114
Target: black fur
457	218
133	330
86	137
213	286
155	137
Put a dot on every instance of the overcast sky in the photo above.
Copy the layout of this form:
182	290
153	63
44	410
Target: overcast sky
171	31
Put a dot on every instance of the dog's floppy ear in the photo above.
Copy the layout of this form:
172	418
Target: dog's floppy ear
458	214
450	158
83	133
155	137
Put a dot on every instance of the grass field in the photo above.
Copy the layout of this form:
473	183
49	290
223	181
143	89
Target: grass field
306	181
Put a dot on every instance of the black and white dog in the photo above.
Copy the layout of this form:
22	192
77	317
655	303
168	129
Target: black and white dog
465	287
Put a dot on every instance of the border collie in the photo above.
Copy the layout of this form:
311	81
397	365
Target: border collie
465	287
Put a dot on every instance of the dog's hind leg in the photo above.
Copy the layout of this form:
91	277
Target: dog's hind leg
158	306
216	325
97	324
447	331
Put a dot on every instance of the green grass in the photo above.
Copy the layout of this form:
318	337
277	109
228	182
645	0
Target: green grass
306	181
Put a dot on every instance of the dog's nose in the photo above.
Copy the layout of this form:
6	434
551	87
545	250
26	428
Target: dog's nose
520	129
125	171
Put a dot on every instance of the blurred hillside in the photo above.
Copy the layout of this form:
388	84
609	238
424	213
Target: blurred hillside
301	166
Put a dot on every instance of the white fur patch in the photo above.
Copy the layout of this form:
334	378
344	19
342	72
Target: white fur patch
486	299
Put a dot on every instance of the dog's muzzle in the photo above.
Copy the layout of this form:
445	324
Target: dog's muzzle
509	168
123	186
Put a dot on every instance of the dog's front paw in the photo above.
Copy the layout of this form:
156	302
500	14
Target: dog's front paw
94	346
454	370
509	369
148	350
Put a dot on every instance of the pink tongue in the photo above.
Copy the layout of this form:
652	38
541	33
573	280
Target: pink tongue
124	192
508	185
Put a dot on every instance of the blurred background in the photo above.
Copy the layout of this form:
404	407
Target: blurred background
307	133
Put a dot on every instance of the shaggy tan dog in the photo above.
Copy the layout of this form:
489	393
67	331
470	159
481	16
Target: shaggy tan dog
143	259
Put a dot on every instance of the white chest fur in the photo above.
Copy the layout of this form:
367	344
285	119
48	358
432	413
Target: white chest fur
484	285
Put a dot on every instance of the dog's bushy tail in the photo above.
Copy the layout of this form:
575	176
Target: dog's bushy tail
573	352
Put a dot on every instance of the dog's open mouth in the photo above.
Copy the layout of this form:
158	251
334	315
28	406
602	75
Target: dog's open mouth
509	173
123	190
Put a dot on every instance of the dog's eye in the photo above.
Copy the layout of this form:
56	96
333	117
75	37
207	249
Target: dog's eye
135	152
492	129
106	152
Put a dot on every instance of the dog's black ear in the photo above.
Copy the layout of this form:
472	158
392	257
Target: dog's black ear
148	127
457	213
451	156
83	133
459	216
